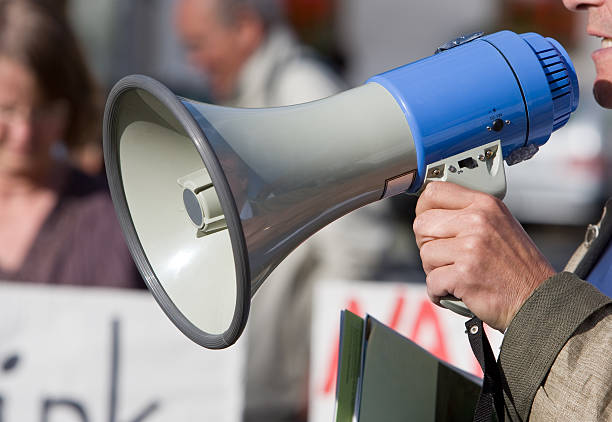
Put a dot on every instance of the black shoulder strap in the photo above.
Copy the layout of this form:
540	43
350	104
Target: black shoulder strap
491	395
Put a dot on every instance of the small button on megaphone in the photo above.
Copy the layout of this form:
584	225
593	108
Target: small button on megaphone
211	199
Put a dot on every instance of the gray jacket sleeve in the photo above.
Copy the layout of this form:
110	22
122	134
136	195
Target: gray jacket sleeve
536	356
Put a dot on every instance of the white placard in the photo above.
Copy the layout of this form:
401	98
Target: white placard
404	307
70	354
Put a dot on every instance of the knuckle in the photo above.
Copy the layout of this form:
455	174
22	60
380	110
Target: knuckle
478	218
472	244
417	224
481	222
430	287
431	190
489	202
467	268
459	292
425	253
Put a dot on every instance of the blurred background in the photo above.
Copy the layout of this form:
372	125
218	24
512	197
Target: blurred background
554	195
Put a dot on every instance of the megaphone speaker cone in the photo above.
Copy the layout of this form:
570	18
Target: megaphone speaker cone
153	147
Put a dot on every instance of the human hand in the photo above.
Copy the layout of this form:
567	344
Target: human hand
474	249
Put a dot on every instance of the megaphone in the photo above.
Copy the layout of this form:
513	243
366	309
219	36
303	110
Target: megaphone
211	199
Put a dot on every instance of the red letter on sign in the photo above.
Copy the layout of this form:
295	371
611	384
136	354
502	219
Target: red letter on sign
397	312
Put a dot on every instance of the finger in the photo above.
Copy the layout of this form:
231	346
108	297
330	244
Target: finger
439	253
441	282
435	224
444	224
445	195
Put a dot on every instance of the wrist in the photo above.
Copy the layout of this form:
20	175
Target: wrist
530	285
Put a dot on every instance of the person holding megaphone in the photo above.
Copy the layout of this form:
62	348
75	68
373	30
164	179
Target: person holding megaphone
556	355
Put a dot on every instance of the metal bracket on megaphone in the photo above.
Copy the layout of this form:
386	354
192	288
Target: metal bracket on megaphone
481	168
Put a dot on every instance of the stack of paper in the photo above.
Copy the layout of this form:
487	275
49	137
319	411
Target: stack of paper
383	376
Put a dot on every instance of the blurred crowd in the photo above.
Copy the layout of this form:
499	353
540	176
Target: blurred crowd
57	222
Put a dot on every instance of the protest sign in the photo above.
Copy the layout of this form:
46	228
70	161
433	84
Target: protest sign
74	354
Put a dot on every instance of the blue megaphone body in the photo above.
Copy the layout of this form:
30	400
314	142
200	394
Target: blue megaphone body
516	88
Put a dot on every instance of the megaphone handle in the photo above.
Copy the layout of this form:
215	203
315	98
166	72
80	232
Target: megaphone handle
456	305
464	169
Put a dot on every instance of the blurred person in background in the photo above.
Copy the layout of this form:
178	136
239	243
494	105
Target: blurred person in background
251	59
57	225
87	154
555	359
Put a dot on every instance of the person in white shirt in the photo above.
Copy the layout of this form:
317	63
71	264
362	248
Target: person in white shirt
251	59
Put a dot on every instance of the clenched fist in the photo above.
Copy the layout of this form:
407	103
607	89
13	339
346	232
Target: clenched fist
474	249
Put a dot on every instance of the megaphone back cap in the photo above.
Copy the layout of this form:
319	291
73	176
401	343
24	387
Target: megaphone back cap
152	103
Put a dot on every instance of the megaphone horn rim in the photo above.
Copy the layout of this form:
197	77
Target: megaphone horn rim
113	170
